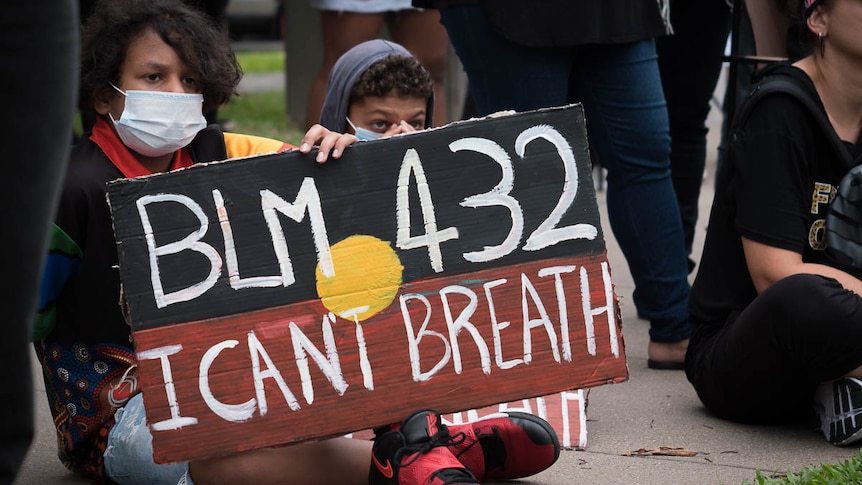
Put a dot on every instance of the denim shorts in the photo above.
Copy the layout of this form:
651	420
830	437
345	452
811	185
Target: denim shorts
129	455
362	6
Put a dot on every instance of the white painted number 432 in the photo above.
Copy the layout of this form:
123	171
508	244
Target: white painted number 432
545	235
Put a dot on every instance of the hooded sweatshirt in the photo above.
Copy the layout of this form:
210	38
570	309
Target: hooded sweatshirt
347	71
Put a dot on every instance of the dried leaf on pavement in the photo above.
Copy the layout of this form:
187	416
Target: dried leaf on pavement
661	450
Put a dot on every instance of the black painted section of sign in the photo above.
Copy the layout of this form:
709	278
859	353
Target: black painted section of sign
358	196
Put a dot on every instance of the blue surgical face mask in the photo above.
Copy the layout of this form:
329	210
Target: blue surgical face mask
155	123
363	133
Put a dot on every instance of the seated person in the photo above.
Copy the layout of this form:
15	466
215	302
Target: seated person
147	76
378	89
777	322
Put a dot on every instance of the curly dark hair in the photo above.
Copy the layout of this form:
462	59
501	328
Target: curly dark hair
401	75
202	45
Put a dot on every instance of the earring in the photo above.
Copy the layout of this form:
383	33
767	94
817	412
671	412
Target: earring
822	38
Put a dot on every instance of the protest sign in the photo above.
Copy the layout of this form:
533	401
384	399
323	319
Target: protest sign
275	300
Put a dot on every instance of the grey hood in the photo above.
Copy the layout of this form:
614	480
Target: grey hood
347	71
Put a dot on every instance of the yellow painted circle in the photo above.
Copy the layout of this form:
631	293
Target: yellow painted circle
367	277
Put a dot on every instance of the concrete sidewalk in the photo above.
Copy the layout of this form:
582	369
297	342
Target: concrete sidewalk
651	410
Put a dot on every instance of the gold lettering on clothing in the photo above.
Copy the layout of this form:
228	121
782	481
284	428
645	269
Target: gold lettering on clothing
817	235
823	194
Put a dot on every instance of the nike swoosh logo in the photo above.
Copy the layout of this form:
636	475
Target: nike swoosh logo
385	470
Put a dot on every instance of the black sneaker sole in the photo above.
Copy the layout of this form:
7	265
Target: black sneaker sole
845	419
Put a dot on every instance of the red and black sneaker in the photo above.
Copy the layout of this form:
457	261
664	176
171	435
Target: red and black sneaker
417	453
505	445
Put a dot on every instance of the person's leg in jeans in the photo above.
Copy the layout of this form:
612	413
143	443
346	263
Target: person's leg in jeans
628	128
129	454
504	75
690	63
627	125
39	41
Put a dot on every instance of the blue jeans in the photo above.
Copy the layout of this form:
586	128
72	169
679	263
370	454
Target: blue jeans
627	122
129	455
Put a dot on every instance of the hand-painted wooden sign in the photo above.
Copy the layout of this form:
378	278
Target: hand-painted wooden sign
275	300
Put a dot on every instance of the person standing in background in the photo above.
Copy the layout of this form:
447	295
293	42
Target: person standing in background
528	55
38	90
690	62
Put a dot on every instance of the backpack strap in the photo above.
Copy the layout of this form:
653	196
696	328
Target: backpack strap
208	145
782	84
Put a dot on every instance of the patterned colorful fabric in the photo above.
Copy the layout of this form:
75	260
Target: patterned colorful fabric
75	378
84	344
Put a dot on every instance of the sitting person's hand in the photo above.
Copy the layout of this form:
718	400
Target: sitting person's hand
395	129
327	142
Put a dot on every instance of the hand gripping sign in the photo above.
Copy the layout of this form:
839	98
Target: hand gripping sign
274	300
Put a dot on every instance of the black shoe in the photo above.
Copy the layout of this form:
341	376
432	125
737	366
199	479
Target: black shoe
839	406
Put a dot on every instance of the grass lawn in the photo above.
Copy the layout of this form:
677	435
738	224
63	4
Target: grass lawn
262	114
260	62
845	472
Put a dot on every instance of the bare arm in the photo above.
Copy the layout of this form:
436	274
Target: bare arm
768	264
769	24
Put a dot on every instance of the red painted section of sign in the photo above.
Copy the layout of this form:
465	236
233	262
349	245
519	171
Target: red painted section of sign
518	364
